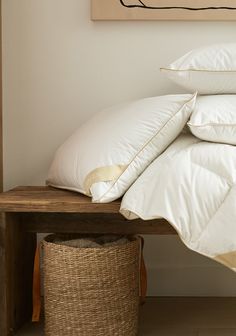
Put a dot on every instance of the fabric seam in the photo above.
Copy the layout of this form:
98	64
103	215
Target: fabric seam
212	217
197	70
210	124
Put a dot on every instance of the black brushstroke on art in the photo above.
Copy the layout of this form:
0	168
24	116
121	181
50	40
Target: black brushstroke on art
143	6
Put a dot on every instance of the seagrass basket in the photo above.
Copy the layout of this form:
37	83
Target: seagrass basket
91	291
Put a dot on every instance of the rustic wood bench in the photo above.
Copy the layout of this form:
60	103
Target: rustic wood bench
27	211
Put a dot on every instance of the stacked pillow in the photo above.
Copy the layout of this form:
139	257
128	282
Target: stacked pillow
214	119
107	154
210	71
207	70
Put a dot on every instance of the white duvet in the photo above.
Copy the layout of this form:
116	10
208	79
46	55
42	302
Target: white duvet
193	186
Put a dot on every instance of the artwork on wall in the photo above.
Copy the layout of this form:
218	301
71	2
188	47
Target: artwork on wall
163	9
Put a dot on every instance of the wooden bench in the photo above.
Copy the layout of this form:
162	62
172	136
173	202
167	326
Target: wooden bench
27	211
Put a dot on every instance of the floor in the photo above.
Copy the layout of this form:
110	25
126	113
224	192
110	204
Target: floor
179	317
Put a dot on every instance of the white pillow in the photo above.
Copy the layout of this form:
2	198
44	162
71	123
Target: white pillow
208	70
106	155
214	119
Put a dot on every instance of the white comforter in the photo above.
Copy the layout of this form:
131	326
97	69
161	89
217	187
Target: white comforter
192	185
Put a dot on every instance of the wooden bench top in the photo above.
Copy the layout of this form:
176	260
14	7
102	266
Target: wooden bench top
47	209
47	199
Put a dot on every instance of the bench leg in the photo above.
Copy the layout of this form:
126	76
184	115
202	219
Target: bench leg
17	249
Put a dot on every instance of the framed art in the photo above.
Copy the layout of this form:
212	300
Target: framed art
163	10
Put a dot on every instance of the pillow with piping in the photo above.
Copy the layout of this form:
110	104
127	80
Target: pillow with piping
207	70
214	119
107	154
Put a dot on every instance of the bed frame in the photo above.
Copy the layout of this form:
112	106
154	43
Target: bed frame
27	211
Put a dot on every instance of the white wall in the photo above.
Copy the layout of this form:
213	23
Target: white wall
59	68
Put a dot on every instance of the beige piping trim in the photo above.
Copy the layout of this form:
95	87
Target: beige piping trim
228	259
196	70
147	143
211	124
103	174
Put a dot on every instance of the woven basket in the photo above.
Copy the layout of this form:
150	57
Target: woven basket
91	291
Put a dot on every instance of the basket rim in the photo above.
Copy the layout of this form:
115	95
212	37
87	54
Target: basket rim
47	241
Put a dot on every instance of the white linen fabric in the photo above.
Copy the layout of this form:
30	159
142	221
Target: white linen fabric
214	119
208	70
106	155
193	186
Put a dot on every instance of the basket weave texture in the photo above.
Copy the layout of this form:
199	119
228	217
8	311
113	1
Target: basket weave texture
91	291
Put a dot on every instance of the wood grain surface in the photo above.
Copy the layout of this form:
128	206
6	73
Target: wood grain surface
47	199
17	249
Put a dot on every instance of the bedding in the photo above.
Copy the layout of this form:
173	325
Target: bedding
106	154
214	119
193	186
208	70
